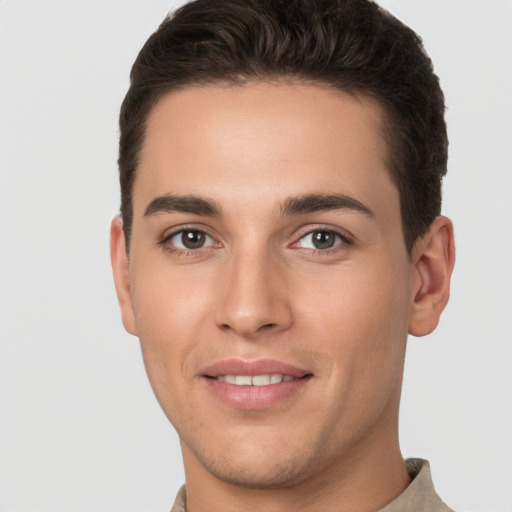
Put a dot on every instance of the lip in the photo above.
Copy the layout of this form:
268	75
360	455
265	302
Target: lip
253	397
257	367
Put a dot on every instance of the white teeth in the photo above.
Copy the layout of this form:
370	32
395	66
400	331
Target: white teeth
243	380
261	380
255	380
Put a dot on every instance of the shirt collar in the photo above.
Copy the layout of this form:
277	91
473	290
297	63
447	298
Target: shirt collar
420	495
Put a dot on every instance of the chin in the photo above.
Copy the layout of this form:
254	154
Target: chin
270	475
256	465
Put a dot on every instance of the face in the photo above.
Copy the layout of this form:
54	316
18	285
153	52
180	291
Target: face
268	279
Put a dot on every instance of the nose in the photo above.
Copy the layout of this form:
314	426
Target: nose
255	298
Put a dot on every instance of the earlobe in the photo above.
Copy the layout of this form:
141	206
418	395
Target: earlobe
434	258
119	260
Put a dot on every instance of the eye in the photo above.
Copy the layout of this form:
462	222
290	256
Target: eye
190	239
321	239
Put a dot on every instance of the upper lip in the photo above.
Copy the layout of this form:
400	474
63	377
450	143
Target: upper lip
257	367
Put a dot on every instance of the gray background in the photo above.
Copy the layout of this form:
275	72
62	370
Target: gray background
79	427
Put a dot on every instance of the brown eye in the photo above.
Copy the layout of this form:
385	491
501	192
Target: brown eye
321	239
190	239
193	239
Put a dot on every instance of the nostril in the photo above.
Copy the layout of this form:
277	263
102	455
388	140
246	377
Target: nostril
263	327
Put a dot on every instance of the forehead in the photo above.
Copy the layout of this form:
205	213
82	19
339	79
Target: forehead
257	139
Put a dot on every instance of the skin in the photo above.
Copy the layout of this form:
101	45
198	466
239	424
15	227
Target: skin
259	289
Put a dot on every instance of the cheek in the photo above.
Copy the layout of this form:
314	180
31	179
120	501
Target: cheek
170	312
363	317
168	302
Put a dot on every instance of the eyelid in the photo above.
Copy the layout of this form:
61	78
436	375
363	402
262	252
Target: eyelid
343	233
174	230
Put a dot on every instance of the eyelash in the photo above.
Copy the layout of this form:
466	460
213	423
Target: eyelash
346	241
165	242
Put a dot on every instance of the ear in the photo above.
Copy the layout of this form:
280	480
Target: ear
119	259
433	257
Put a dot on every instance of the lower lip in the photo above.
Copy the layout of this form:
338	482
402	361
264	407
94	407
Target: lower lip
255	397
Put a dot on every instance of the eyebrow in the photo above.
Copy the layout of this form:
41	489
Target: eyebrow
299	205
311	203
183	204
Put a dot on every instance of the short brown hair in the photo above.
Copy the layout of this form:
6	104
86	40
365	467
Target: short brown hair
351	45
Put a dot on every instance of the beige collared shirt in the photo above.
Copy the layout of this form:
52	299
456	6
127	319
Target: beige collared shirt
420	496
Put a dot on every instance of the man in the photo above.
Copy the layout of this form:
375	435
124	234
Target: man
280	236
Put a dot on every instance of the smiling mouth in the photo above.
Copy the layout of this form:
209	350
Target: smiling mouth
254	385
255	380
